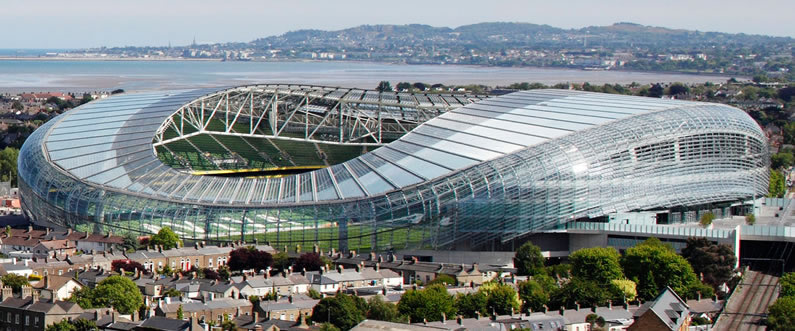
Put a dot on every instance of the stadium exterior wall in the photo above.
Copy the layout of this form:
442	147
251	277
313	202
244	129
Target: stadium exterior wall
680	156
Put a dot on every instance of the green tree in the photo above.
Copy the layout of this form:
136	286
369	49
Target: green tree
777	188
328	327
228	324
79	324
382	311
501	299
18	106
180	313
172	293
130	243
14	281
427	304
781	314
8	165
533	296
312	293
384	86
470	304
443	280
584	292
281	261
342	310
595	320
83	297
403	86
781	160
789	132
677	89
787	283
165	237
118	292
656	91
528	259
714	261
625	288
599	264
653	265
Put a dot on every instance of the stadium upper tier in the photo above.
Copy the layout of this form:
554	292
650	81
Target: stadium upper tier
382	170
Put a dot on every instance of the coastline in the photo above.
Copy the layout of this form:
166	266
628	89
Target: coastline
391	63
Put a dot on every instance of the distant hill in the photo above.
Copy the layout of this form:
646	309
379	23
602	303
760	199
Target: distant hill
505	33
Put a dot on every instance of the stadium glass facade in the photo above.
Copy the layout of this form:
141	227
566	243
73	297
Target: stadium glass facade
477	171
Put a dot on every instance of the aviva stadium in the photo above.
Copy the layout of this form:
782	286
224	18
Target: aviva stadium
357	169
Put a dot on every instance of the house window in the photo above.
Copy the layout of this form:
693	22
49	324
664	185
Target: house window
27	320
16	318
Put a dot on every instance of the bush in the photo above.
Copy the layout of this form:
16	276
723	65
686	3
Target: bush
787	282
706	219
750	219
126	265
781	315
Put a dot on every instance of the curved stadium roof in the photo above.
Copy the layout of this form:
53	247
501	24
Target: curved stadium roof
521	162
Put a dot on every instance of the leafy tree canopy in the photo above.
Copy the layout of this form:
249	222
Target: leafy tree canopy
246	258
501	299
470	304
528	259
585	292
383	311
115	291
714	261
787	283
427	304
309	261
79	324
533	296
384	86
342	310
625	288
443	279
599	264
14	281
777	187
653	265
781	314
165	237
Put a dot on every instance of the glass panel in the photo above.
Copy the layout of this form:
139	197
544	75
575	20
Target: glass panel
367	177
288	189
413	164
347	185
325	188
396	174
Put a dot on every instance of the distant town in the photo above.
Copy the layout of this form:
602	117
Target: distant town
621	46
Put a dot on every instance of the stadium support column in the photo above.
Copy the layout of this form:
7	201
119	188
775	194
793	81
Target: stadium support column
343	235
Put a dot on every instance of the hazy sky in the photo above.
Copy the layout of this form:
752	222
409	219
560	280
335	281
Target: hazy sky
91	23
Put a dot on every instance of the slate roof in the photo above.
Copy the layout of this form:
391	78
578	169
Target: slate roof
668	307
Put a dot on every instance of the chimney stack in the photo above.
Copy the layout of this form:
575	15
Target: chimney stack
27	291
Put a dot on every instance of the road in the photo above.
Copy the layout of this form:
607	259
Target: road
748	305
